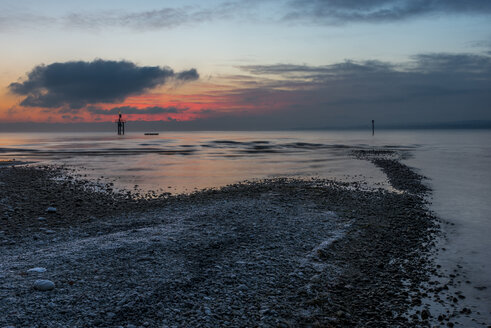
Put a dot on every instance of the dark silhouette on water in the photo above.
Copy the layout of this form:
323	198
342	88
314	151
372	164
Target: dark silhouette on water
120	123
373	127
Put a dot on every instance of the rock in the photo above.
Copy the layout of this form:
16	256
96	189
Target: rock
44	285
41	218
51	210
36	270
425	314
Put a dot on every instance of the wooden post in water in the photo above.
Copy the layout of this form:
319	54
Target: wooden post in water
120	122
373	127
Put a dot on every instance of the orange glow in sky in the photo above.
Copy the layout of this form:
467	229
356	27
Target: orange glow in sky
194	100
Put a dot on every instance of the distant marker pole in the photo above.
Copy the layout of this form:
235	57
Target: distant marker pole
120	122
373	127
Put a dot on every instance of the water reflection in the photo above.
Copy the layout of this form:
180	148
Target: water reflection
186	161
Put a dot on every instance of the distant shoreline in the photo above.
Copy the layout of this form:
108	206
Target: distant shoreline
160	126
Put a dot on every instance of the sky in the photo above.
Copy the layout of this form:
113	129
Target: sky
246	64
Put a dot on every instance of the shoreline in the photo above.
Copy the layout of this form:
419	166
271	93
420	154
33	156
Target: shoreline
280	252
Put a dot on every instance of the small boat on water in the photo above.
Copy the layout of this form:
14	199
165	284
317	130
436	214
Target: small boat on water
151	133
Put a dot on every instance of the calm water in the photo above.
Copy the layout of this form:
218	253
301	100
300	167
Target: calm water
457	162
182	162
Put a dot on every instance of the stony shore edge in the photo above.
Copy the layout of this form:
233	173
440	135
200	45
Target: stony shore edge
281	252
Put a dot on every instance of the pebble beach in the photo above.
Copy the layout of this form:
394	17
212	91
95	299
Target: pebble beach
278	252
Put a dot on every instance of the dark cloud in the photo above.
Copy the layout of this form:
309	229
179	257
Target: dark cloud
421	63
72	117
189	75
343	11
77	84
304	71
207	111
466	63
436	87
134	110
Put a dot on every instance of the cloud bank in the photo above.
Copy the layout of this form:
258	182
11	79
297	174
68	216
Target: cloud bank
77	84
323	12
150	19
159	18
430	88
377	11
154	110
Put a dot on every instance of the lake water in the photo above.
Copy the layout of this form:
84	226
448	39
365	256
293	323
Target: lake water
457	163
183	162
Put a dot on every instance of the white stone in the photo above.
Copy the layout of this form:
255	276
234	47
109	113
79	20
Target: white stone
44	285
37	270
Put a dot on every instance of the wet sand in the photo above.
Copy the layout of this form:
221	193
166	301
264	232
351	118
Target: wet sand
280	252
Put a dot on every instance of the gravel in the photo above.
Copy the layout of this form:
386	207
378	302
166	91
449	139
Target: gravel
279	252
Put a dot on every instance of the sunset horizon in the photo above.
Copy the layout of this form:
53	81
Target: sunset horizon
245	163
314	64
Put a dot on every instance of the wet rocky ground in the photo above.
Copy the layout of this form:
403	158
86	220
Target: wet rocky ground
281	252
